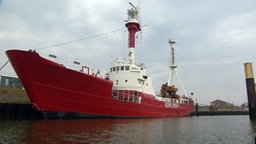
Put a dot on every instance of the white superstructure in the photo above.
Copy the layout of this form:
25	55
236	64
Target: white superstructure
126	76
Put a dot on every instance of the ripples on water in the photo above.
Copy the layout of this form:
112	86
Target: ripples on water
192	130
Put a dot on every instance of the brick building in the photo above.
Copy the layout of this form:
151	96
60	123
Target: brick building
221	103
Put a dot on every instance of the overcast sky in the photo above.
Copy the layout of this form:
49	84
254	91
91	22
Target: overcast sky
214	38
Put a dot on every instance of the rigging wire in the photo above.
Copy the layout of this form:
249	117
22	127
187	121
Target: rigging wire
4	65
73	41
85	38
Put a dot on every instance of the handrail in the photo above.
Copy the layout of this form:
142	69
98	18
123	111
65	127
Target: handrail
131	96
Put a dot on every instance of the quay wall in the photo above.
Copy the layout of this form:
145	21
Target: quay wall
218	113
27	111
18	112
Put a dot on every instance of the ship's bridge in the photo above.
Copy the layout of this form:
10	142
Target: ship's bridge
126	76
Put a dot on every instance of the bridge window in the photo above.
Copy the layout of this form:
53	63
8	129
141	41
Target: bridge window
127	68
145	77
122	68
117	68
113	69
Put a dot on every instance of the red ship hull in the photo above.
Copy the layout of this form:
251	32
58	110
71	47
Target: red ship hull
60	92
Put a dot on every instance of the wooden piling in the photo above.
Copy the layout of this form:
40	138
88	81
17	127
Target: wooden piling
196	107
250	86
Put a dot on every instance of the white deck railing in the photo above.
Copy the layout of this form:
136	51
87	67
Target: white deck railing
124	95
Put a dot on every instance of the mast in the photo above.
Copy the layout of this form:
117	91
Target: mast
133	26
173	66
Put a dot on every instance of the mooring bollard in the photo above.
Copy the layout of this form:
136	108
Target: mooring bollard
196	107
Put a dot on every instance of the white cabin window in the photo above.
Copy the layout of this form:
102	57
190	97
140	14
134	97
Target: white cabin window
127	68
117	68
122	68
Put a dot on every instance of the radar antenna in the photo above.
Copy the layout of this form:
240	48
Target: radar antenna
132	5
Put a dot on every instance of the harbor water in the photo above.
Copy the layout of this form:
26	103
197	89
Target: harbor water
192	130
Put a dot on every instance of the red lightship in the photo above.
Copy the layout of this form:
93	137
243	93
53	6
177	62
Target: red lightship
127	91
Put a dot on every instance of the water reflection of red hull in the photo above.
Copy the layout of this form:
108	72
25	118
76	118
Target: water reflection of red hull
72	131
90	131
